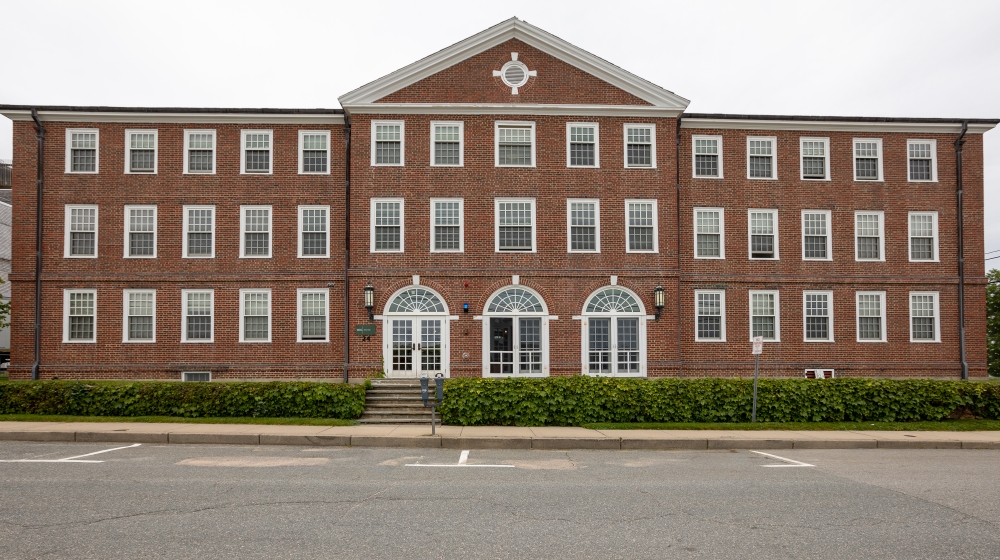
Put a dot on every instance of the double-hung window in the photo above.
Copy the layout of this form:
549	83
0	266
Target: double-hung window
817	311
867	159
869	235
924	313
641	226
447	139
816	235
871	316
447	225
583	218
387	142
314	231
640	145
921	157
140	316
763	231
709	229
314	152
386	225
761	157
256	152
255	315
79	315
81	231
255	232
515	224
706	156
199	232
710	315
199	151
582	141
814	161
515	144
140	232
313	316
140	151
82	150
765	315
197	314
924	236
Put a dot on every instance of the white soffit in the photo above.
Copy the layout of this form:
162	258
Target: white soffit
930	127
193	118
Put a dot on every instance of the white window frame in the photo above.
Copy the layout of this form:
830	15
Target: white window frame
829	307
597	144
66	294
750	234
302	134
184	225
829	234
298	314
243	226
857	315
301	232
656	225
777	313
461	142
461	225
402	225
694	156
722	232
881	160
937	316
128	151
402	143
125	316
881	235
496	224
69	150
496	142
722	303
597	224
802	158
127	244
66	231
774	157
184	310
652	141
909	235
934	163
243	151
187	148
270	314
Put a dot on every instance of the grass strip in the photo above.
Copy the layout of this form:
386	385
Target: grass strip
177	420
941	426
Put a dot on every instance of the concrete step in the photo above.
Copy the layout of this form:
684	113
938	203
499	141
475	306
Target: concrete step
395	406
397	421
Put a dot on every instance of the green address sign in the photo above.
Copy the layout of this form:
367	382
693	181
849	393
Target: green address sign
364	330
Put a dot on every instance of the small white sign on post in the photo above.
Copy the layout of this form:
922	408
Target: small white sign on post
758	345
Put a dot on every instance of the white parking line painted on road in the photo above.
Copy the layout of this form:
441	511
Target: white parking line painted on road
74	459
461	463
464	457
792	462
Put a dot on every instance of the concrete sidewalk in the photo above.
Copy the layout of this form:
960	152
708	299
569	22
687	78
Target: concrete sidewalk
488	437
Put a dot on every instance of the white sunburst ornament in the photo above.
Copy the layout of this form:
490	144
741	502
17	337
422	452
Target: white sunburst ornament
514	73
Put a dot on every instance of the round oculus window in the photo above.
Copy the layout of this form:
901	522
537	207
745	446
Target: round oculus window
514	74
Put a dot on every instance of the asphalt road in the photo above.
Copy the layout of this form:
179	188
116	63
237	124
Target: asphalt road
287	502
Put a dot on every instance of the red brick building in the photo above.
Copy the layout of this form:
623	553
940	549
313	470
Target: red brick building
511	205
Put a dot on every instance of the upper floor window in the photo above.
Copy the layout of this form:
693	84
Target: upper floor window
816	235
709	225
81	231
515	144
515	224
761	157
140	148
923	236
199	231
140	231
446	225
387	142
582	145
79	315
448	139
815	158
763	226
140	316
314	152
82	150
314	231
584	231
199	151
868	159
707	156
387	225
640	145
255	226
641	226
869	235
922	158
256	153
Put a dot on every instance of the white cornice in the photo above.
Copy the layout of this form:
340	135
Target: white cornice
511	109
193	118
834	126
529	34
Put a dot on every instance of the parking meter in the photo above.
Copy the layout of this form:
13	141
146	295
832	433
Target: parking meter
424	394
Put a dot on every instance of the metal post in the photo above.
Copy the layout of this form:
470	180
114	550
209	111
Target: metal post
432	420
756	370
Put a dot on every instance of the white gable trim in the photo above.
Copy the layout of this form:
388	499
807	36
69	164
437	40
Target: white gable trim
512	109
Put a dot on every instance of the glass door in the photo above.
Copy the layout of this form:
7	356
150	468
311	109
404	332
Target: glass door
430	347
501	345
402	348
515	346
418	347
613	346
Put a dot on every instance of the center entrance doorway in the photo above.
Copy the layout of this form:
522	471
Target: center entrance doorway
415	334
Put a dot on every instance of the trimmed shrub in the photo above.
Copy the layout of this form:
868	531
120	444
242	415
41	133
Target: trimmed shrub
280	399
572	401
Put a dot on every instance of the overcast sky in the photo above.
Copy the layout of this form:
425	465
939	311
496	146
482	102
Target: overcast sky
908	58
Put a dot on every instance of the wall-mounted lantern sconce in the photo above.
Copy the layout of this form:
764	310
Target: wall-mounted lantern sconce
465	307
658	300
370	301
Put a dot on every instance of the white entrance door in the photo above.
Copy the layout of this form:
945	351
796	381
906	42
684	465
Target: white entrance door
516	346
418	347
613	346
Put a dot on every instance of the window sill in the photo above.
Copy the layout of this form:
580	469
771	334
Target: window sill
209	341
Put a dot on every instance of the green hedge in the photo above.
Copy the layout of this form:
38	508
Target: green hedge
572	401
192	400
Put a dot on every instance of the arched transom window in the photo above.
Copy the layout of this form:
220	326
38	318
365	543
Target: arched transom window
613	300
515	300
416	300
